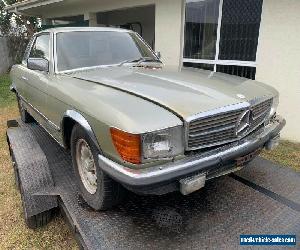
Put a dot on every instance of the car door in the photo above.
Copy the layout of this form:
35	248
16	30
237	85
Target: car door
35	81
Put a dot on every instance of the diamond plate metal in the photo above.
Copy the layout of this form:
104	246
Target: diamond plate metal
212	218
32	169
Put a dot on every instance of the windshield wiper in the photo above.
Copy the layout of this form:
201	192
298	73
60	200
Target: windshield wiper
140	60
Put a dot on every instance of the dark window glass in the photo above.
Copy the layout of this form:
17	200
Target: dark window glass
201	29
239	33
243	71
240	29
199	66
40	48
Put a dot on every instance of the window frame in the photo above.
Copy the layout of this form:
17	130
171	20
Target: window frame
216	61
28	50
54	50
34	42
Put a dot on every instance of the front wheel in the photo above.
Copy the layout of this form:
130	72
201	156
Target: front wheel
96	188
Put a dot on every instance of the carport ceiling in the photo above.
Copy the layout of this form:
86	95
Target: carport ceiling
58	8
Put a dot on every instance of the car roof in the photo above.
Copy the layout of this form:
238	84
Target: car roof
74	29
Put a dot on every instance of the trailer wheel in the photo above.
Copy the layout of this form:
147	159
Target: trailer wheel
95	187
25	116
38	220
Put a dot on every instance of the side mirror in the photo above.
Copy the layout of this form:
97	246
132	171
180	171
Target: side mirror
40	64
158	54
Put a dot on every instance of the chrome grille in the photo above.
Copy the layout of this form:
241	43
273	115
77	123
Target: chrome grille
259	113
219	126
213	130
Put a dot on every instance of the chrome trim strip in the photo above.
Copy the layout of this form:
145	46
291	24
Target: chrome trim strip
86	68
12	87
79	118
217	111
51	134
52	124
190	164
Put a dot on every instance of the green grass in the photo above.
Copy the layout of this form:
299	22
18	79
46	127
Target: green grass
13	232
286	154
6	96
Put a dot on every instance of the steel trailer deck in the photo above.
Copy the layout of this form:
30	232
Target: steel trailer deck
211	218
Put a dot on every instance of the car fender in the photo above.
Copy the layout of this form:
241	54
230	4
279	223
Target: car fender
13	88
82	121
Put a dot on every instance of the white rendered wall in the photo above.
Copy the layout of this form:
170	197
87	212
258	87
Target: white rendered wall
278	59
168	20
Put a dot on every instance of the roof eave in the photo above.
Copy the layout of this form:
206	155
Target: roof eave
29	4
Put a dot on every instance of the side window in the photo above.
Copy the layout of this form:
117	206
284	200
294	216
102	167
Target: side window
27	51
41	47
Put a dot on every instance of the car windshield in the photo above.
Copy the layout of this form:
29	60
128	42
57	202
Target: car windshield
83	49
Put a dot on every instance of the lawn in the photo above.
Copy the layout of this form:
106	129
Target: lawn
7	98
286	154
56	235
13	232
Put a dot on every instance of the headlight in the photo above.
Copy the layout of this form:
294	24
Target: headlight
165	143
274	106
138	148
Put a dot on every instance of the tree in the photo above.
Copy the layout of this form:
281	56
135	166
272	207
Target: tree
11	22
17	28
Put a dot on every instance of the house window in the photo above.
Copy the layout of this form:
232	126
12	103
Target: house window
222	35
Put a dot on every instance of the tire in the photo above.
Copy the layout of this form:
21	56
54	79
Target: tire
25	116
107	193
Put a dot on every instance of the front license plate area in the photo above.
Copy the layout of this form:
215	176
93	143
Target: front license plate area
241	161
191	184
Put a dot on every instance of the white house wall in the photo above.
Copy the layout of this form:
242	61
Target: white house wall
278	58
145	15
168	21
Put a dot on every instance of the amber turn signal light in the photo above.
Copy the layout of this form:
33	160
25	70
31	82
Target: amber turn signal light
128	145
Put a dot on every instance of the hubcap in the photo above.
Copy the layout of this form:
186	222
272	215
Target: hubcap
86	166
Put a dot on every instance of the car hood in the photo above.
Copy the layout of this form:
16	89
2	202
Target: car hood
185	92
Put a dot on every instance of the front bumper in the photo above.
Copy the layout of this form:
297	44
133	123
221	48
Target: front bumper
191	164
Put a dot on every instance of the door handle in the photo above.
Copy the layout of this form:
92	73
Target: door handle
24	78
